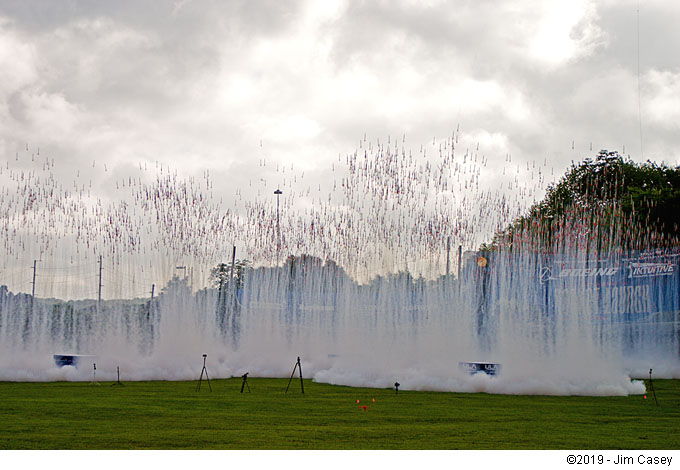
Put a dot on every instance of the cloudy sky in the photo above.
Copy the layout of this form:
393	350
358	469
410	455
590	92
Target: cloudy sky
223	84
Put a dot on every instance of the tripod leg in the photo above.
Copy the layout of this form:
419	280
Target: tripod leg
302	385
200	379
207	378
651	385
291	377
248	386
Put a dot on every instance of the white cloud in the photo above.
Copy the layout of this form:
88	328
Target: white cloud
52	116
565	31
17	60
294	128
211	81
661	98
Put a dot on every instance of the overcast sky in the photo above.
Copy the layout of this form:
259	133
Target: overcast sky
220	85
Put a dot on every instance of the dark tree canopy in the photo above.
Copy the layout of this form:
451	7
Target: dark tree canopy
616	200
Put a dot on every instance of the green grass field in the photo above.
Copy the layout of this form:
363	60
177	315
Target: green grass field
172	415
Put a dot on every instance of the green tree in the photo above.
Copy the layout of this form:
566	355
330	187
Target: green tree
612	200
220	274
227	309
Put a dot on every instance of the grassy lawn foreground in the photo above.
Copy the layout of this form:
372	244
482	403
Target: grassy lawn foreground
172	415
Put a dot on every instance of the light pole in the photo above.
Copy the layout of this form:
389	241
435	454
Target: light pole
183	268
278	193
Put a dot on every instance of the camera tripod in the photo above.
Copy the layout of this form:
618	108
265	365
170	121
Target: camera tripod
198	387
244	384
94	375
297	366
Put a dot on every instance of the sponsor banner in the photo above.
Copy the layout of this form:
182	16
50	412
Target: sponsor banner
587	272
635	286
632	268
557	272
651	269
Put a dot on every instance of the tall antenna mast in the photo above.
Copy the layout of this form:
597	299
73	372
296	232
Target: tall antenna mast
642	155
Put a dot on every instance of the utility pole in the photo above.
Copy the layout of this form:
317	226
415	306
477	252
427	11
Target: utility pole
278	193
233	264
460	258
99	290
153	288
448	256
35	263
